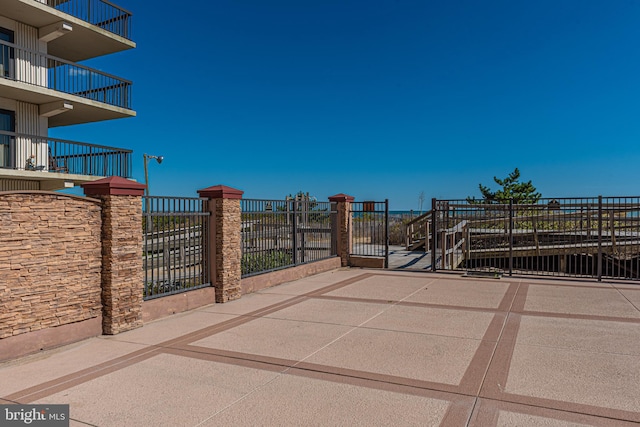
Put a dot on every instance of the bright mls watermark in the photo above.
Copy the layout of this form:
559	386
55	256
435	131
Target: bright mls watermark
34	415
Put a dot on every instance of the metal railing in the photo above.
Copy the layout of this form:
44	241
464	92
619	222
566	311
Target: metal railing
100	13
370	229
175	245
42	70
41	153
595	236
277	234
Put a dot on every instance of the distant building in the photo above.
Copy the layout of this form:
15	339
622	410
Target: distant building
42	85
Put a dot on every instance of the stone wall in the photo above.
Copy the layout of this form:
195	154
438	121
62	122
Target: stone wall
228	249
343	226
122	274
71	267
50	261
225	240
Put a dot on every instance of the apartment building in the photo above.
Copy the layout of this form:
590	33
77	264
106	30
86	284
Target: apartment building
43	85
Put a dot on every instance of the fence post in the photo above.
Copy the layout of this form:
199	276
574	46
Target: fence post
294	229
434	233
122	275
343	226
511	237
599	238
225	241
386	233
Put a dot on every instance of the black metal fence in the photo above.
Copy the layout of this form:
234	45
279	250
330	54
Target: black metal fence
594	236
41	153
370	229
100	13
175	245
39	69
277	234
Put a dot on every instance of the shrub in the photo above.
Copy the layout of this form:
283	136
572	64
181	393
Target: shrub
263	261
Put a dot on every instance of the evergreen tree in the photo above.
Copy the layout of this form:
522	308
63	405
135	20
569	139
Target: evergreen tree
520	192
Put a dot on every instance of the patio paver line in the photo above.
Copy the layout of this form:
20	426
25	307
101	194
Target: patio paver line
408	303
339	285
578	316
62	383
625	297
498	372
512	292
67	381
56	385
479	366
487	412
479	396
520	301
294	367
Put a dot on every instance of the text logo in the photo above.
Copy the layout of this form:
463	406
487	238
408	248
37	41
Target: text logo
34	415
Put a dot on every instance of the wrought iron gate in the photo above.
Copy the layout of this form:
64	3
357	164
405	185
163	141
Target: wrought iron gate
370	229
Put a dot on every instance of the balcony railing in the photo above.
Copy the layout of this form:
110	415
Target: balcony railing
100	13
43	154
39	69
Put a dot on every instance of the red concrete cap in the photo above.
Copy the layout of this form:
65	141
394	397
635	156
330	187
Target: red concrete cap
341	198
221	192
113	186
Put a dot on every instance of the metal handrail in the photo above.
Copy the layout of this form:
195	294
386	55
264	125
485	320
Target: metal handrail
40	153
101	13
415	229
43	70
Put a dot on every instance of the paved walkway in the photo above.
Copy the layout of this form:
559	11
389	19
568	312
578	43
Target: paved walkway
361	347
399	258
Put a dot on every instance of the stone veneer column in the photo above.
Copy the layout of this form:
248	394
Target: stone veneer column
225	244
122	275
343	206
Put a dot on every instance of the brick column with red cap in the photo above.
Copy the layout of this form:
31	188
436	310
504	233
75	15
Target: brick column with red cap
122	275
343	207
225	244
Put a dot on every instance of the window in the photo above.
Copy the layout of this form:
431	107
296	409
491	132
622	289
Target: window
6	54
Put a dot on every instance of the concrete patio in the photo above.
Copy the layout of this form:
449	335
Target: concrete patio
361	347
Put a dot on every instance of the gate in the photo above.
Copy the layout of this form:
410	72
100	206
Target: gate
175	245
279	234
575	237
370	230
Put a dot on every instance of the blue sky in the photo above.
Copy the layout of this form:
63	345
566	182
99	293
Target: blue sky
381	99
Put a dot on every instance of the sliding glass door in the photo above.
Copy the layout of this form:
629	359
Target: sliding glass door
7	124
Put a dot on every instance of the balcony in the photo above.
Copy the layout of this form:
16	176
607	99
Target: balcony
100	13
52	160
67	93
99	27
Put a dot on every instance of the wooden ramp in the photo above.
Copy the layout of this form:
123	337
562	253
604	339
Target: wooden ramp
608	248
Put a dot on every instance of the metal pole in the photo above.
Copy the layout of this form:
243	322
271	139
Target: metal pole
434	232
146	174
386	233
147	201
510	237
599	238
294	224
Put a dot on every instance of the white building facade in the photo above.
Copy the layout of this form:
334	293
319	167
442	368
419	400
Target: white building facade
44	85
